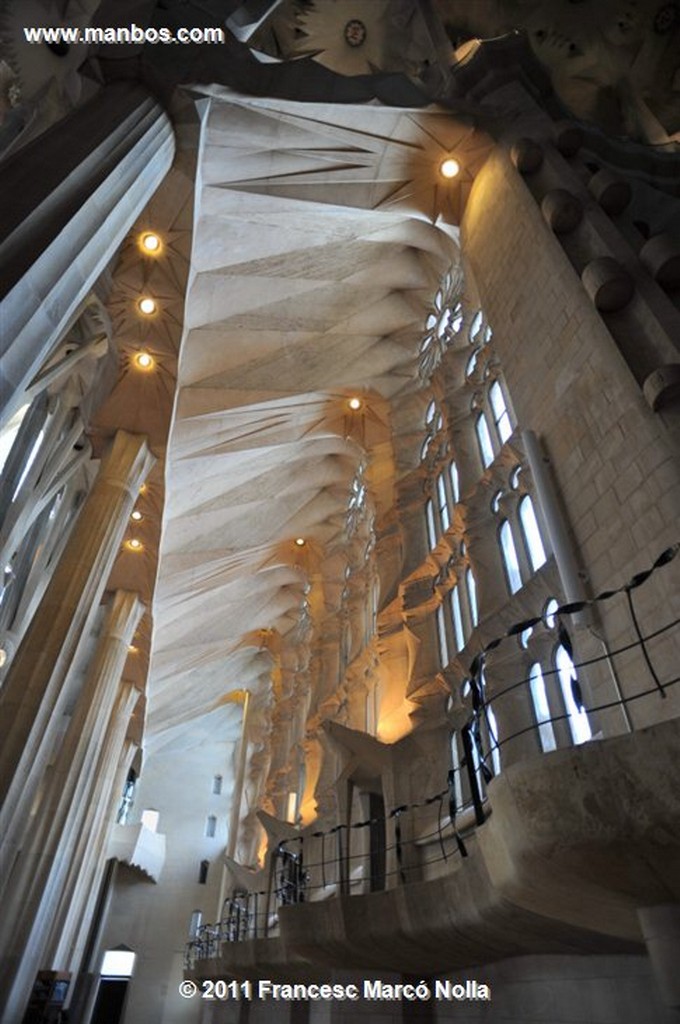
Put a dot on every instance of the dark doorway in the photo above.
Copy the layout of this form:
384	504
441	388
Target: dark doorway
110	1001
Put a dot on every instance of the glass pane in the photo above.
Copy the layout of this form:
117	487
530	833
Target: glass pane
500	412
455	487
484	439
8	434
578	719
444	515
431	528
441	636
539	698
457	619
472	596
509	553
532	534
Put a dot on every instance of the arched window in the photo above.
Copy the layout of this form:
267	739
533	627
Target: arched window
578	719
532	534
441	636
455	767
499	408
471	587
431	525
455	485
509	553
472	363
476	326
443	503
457	619
484	440
551	607
539	698
494	740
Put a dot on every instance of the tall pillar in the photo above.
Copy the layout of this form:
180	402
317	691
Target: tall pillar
67	200
49	852
70	927
34	695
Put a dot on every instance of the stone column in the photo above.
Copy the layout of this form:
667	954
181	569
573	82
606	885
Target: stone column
34	696
50	850
68	199
71	923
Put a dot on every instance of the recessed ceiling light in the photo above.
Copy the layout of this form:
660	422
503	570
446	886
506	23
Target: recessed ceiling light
300	541
145	361
449	168
137	516
134	544
147	306
132	649
354	403
150	243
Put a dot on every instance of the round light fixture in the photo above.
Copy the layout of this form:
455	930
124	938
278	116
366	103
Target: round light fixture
449	168
354	403
300	541
132	649
150	243
137	516
147	306
145	361
134	544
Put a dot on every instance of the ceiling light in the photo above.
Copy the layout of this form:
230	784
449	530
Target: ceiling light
137	516
449	168
354	403
150	243
134	544
132	649
147	306
145	361
300	541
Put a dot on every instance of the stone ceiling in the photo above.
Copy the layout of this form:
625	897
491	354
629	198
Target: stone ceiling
320	237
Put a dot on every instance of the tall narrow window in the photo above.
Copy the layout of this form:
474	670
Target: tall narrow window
532	534
195	923
150	819
578	719
455	485
431	526
203	872
441	637
484	440
457	619
539	698
455	766
494	740
29	462
443	503
217	784
8	434
499	408
211	826
471	587
509	553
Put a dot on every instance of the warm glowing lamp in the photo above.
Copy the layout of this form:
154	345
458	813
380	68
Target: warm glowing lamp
150	243
300	541
449	168
144	361
147	306
354	404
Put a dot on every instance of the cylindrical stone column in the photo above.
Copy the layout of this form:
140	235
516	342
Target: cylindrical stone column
33	697
50	844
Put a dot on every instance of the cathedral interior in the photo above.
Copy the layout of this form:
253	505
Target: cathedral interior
339	512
